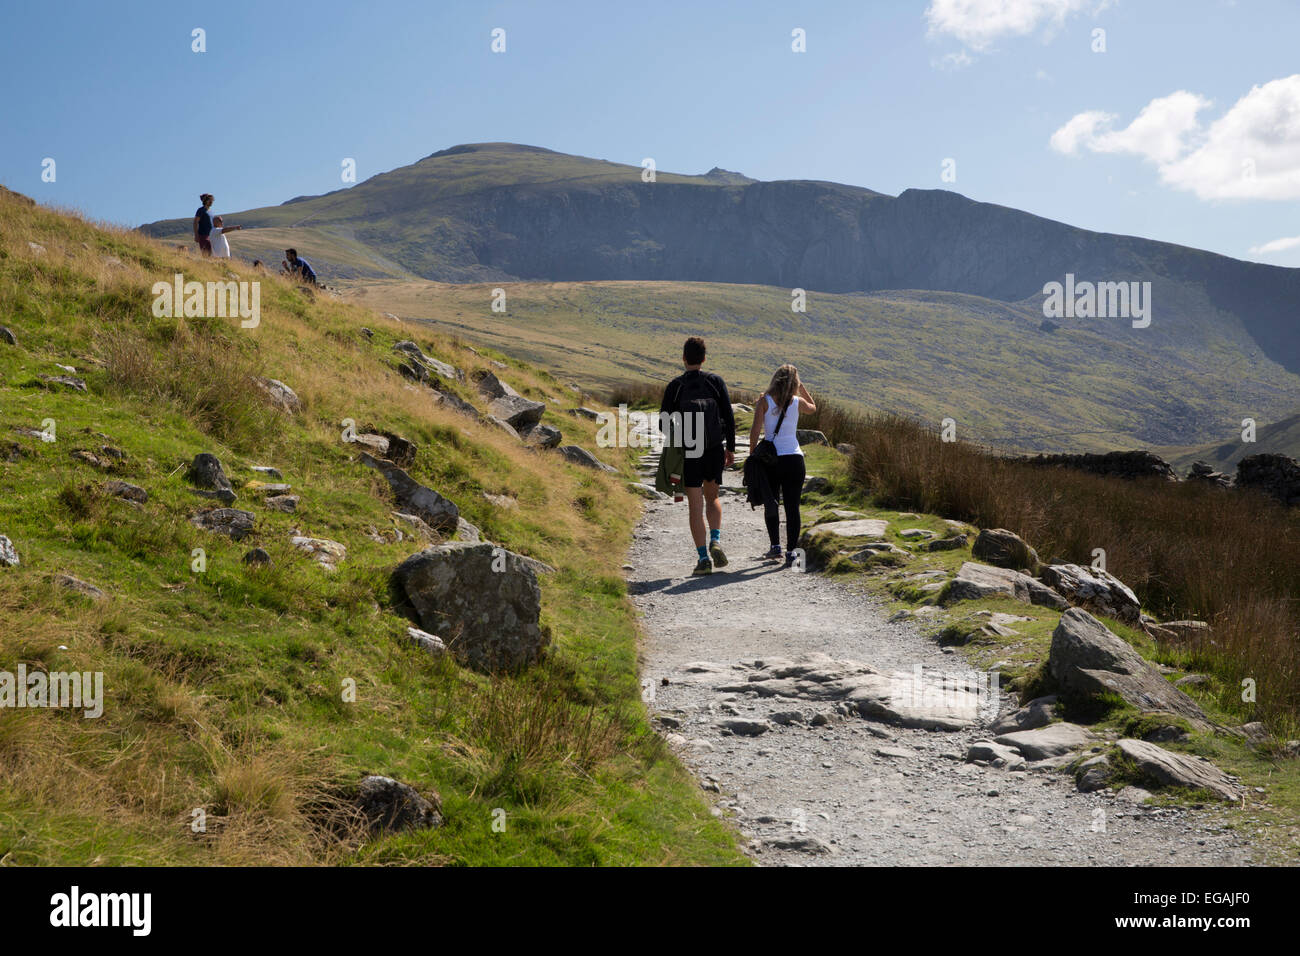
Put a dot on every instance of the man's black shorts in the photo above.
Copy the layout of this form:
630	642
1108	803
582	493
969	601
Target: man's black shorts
707	467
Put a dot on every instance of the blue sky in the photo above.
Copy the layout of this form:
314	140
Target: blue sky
138	124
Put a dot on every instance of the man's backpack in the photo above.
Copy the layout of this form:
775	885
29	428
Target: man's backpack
696	393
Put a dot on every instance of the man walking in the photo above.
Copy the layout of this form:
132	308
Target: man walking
697	410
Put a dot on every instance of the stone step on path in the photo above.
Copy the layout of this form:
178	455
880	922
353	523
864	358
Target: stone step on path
804	782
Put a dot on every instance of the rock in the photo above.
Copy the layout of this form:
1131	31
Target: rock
505	427
390	806
976	581
258	557
645	491
266	470
1255	731
232	522
1115	464
1037	713
1094	590
492	387
8	553
418	526
1186	632
416	354
542	436
36	248
815	485
429	643
915	533
803	844
502	501
1053	740
401	451
1093	774
895	753
466	531
129	492
846	448
206	472
1004	549
953	543
414	498
810	436
7	336
998	755
787	718
373	444
580	456
1201	471
740	408
862	528
483	600
68	381
518	412
590	413
1275	475
288	504
325	552
1169	769
279	394
456	404
268	489
1192	680
933	703
745	728
1086	658
84	588
368	333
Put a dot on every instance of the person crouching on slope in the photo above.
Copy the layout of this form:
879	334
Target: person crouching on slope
697	408
777	414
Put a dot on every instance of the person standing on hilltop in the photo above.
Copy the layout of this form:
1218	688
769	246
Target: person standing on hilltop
697	409
220	247
203	225
777	414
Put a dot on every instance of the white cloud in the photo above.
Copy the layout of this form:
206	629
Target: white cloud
1277	245
1250	152
978	23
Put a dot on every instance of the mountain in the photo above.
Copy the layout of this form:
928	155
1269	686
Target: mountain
1222	343
1281	437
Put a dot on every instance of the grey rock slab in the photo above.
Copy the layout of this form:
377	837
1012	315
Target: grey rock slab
78	586
8	553
859	528
976	581
1087	658
323	551
1053	740
1170	769
126	491
580	456
414	498
745	728
231	522
429	643
516	411
1094	590
279	394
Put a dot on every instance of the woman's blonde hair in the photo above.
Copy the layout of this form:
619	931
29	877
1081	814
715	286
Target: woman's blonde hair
785	383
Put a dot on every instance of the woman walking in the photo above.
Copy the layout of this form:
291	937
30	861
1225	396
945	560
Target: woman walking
776	415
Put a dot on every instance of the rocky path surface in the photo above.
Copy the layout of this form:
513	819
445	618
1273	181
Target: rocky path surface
809	783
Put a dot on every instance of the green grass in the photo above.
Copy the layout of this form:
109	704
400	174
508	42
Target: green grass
226	688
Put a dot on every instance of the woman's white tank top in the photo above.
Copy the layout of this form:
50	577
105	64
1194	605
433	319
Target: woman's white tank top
786	441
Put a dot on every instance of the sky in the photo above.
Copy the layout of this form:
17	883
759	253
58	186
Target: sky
1179	121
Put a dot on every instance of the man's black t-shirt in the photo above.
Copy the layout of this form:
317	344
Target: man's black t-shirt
205	222
697	382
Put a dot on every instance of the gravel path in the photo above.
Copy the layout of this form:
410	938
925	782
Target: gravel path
853	791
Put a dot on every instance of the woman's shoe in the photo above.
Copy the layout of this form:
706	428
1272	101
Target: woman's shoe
774	553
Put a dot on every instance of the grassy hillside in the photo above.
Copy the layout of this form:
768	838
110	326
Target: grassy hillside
930	355
223	688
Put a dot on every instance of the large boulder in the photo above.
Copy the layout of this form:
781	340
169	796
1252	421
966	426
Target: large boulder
414	498
482	600
810	436
207	474
976	581
1274	475
1005	549
492	387
1094	590
516	411
421	365
1169	769
1087	659
390	806
542	436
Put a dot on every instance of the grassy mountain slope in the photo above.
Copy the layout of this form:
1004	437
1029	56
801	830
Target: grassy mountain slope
223	688
1280	437
1089	384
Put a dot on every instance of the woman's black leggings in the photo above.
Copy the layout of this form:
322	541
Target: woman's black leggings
787	475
